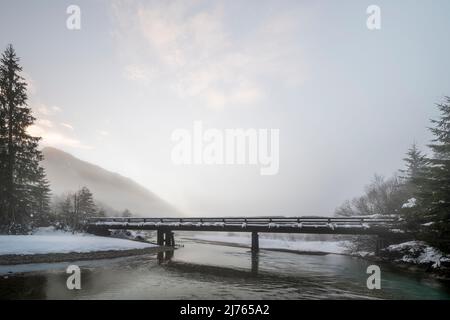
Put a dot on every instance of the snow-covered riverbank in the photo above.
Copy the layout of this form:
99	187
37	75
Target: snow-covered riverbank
47	240
417	253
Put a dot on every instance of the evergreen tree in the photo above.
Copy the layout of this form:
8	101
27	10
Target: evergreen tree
86	207
416	163
41	195
436	187
415	173
82	207
20	172
65	215
76	208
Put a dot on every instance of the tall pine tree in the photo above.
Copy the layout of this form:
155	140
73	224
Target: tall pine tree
414	175
20	172
416	163
86	207
437	197
40	193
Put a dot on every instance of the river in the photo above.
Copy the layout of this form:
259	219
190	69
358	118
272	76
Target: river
209	271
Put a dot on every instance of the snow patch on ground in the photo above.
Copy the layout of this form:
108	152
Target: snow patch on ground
48	240
338	247
418	252
411	203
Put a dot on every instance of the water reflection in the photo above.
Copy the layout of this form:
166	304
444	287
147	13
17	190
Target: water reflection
165	256
255	262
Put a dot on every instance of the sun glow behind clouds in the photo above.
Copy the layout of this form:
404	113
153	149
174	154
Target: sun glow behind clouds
190	46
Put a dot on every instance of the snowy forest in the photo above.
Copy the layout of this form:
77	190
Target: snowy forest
419	194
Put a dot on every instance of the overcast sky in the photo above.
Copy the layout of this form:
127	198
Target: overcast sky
348	101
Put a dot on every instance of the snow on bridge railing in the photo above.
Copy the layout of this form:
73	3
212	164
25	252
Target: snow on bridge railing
247	221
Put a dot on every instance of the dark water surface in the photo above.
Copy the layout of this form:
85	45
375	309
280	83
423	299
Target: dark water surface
206	271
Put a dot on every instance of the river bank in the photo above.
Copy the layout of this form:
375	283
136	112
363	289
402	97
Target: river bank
75	256
47	245
416	256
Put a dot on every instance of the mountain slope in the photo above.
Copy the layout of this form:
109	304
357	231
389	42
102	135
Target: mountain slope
67	173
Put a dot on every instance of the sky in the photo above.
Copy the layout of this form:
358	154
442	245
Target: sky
347	101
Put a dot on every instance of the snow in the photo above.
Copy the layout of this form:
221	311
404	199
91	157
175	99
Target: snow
47	240
338	247
418	252
333	226
397	230
364	254
375	216
411	203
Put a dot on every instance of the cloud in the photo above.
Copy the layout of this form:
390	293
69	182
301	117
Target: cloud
50	133
66	125
44	110
191	48
44	123
55	138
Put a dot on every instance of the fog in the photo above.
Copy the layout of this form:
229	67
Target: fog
347	101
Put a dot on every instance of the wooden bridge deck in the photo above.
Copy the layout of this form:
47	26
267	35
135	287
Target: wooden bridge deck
312	225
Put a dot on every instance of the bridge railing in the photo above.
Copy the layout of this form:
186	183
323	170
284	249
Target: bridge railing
246	220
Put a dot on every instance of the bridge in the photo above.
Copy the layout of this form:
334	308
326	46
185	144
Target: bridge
383	228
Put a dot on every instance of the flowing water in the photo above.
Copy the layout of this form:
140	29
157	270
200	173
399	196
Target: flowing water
207	271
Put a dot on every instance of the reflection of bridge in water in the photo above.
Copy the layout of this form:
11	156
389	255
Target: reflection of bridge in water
384	229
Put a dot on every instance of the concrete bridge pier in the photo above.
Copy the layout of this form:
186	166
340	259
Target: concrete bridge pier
159	237
165	238
170	239
255	241
380	243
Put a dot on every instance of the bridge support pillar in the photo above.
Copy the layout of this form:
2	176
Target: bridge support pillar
165	238
172	239
160	237
255	242
379	245
169	239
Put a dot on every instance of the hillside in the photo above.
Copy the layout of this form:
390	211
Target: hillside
67	173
